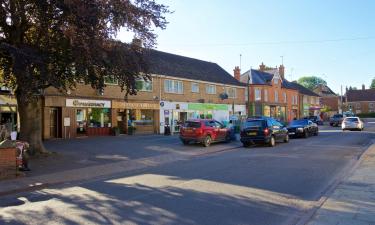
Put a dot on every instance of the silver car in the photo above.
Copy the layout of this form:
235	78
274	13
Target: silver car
352	123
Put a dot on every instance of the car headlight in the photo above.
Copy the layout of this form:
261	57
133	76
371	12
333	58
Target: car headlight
300	129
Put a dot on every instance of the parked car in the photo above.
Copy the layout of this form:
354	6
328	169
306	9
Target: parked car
336	120
205	131
316	119
264	130
302	128
352	123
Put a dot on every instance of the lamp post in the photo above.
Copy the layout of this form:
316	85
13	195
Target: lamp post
248	94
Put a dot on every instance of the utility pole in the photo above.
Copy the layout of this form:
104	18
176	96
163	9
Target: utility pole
240	60
341	101
248	93
282	60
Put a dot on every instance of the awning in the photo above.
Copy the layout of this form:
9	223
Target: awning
315	108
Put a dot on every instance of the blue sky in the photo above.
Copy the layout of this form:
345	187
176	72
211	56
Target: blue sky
331	39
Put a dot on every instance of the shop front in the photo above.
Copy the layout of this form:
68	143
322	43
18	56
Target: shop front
174	114
8	112
276	111
136	117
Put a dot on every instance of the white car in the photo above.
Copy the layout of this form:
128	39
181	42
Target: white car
352	123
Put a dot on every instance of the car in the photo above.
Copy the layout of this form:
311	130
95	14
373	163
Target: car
315	119
352	123
263	130
336	120
205	131
302	128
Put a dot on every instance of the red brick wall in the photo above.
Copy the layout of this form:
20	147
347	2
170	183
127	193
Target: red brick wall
8	167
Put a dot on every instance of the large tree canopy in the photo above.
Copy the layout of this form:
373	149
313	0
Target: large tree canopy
311	82
54	43
372	86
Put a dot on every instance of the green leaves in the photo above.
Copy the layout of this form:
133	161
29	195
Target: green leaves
311	82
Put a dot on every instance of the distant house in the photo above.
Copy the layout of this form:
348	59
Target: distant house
360	101
309	100
329	99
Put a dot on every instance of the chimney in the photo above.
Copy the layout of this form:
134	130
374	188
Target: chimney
363	87
237	73
281	71
262	67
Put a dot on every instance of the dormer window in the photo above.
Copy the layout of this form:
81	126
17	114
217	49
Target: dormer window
276	80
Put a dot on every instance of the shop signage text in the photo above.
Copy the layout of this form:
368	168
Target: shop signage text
88	103
135	105
203	106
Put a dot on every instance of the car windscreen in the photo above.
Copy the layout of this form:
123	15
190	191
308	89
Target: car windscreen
337	116
192	124
351	120
298	122
254	123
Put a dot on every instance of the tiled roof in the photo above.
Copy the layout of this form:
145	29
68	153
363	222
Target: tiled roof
302	89
360	95
163	63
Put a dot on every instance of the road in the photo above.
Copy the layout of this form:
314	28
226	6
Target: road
257	185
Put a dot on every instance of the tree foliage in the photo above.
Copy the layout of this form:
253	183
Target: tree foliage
311	82
372	86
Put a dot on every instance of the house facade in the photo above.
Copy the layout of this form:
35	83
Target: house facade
270	94
180	88
309	101
330	101
360	101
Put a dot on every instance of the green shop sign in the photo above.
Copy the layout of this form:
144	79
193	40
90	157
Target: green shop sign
306	106
203	106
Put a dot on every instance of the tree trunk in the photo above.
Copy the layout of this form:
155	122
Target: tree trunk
31	127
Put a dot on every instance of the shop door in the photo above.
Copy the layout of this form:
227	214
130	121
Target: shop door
81	118
55	122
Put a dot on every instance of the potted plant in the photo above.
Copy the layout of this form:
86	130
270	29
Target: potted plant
116	131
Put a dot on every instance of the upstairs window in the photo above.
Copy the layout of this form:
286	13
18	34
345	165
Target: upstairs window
258	94
111	80
371	105
143	85
210	89
195	87
284	95
276	96
173	86
231	92
265	95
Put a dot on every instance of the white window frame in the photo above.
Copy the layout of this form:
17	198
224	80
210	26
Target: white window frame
173	86
193	84
371	105
210	89
231	92
111	83
358	105
145	81
257	94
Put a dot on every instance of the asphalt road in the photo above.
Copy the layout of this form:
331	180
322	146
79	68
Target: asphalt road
257	185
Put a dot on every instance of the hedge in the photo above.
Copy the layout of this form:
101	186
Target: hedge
366	115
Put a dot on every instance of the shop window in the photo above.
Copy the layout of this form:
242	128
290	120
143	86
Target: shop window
173	86
143	85
258	95
142	117
231	92
99	117
210	89
111	80
195	87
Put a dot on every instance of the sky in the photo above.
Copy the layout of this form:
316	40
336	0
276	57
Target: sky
331	39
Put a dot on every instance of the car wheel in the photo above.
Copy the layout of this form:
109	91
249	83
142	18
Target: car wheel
316	133
227	138
286	140
207	141
272	142
185	142
245	144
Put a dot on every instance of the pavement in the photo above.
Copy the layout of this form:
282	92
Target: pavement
353	200
177	184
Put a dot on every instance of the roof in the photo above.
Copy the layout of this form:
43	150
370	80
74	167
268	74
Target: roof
163	63
302	89
360	95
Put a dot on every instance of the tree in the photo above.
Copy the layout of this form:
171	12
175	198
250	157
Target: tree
372	86
311	82
56	43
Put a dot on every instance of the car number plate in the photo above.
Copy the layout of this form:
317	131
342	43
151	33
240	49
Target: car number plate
291	133
252	133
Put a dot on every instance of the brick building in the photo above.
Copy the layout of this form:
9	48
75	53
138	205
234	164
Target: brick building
181	88
309	101
271	94
329	99
360	101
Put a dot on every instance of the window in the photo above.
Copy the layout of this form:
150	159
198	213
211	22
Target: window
231	92
295	100
173	86
317	101
276	80
284	95
143	85
358	105
110	80
266	95
371	105
195	87
258	94
276	96
210	89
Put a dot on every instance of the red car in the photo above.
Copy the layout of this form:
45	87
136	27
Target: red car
205	131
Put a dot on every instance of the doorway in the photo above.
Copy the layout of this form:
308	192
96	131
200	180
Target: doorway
55	122
81	119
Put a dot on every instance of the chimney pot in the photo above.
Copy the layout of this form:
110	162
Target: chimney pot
282	71
237	73
262	67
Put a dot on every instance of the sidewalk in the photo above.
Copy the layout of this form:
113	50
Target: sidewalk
353	201
96	171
